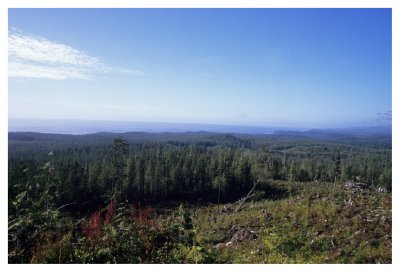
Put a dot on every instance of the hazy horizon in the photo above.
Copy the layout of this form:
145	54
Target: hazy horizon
75	126
313	68
68	126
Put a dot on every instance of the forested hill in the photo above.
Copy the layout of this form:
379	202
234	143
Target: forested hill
349	132
196	159
70	176
380	135
22	144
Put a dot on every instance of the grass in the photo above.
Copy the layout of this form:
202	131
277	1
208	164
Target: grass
319	223
292	223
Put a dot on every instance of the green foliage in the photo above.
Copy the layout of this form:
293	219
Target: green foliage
124	239
33	212
320	223
119	153
195	255
71	205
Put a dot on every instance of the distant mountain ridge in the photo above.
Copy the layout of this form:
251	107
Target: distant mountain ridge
340	132
77	127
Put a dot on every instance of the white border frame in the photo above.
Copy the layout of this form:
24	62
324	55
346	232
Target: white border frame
5	4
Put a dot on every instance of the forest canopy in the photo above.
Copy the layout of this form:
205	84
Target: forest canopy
85	185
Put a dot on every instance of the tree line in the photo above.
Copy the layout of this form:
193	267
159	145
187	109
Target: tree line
207	170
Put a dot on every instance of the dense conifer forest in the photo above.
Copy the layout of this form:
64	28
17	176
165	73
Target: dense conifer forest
199	198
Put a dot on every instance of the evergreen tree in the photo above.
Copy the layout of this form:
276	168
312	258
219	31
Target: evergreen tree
120	151
338	166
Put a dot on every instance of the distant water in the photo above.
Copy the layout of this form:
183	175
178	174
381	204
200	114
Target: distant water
87	127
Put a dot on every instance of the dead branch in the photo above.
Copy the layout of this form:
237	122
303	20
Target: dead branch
246	197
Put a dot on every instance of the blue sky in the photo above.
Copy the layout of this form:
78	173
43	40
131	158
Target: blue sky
268	67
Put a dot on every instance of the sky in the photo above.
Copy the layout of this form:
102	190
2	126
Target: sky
313	68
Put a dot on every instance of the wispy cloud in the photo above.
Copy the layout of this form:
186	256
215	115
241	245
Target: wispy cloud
27	70
32	56
384	116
